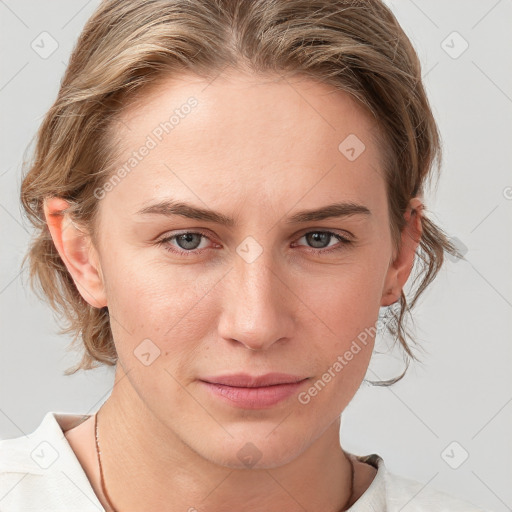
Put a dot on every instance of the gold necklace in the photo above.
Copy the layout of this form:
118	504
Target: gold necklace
105	493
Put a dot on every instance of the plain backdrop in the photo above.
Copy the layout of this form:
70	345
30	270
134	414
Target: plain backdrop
448	422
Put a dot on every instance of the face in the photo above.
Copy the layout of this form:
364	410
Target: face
264	285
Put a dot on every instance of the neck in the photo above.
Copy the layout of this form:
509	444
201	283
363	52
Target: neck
163	473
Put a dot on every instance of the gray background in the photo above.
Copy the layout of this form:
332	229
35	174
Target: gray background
461	393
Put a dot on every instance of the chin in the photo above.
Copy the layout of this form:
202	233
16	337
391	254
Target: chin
263	448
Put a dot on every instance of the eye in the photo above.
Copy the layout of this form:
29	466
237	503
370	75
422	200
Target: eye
320	241
187	242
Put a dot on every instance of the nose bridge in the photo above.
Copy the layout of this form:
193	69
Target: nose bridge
256	281
255	312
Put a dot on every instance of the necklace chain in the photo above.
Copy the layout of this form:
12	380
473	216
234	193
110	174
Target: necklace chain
98	451
105	493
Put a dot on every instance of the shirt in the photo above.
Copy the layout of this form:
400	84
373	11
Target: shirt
41	472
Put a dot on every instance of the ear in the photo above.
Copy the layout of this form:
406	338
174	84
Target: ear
76	251
401	267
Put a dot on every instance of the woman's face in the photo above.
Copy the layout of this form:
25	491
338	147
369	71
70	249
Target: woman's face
270	291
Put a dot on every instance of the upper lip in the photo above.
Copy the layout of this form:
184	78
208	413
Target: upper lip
244	380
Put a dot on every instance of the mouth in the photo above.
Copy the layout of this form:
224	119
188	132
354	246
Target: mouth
253	392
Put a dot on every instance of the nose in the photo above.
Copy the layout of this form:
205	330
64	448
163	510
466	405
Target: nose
258	305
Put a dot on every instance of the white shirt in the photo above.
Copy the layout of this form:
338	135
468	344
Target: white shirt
41	472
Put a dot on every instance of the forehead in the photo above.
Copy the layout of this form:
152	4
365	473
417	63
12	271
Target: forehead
247	136
238	102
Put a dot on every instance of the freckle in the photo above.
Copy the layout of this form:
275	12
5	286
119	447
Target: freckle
166	353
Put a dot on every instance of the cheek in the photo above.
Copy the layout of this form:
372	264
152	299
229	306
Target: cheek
161	302
346	298
348	311
345	305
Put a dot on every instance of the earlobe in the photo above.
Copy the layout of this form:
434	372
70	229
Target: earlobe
401	267
76	251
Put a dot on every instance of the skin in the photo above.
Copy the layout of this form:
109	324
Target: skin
258	149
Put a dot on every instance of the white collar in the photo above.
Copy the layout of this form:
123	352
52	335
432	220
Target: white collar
46	452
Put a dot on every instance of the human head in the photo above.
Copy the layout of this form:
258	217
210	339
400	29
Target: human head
128	48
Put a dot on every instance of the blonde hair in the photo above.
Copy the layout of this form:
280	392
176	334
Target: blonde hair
128	46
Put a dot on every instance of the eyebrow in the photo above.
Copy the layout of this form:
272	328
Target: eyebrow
170	208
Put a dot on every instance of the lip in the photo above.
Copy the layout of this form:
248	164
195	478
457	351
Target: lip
244	380
253	392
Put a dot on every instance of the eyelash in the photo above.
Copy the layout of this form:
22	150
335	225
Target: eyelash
164	242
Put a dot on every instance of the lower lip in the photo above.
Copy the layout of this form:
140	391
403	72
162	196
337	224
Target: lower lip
254	398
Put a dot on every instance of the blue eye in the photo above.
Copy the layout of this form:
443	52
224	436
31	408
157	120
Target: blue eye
189	242
320	238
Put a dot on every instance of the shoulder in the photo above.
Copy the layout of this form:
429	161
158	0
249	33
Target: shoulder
393	493
39	471
410	495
